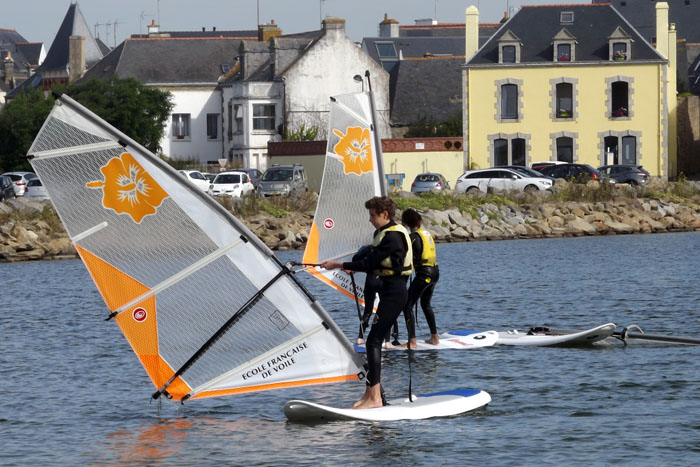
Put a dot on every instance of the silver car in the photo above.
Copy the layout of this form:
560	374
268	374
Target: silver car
496	179
429	181
19	181
283	180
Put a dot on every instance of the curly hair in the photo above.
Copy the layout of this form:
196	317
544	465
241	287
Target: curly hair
380	204
411	218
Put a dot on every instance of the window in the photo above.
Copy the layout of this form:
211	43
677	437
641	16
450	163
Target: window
509	101
213	126
518	151
238	118
500	152
629	150
264	117
619	51
565	149
386	49
610	143
564	100
566	17
620	99
563	52
230	121
181	126
508	54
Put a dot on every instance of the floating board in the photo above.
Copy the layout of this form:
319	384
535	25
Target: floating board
452	340
438	404
556	337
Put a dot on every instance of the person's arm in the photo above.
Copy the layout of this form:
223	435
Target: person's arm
391	243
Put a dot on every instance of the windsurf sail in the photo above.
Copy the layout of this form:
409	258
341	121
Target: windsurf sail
353	173
208	309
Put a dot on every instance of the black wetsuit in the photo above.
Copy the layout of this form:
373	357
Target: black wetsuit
392	294
422	287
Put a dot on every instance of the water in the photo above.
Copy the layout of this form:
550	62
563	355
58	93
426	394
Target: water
75	394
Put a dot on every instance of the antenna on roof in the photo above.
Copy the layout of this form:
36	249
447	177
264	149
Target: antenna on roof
115	23
320	13
107	25
141	16
97	34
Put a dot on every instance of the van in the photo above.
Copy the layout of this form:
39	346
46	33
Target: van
283	180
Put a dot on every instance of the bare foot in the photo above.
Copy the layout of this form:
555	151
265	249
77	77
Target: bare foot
369	404
360	341
434	340
371	399
388	345
414	345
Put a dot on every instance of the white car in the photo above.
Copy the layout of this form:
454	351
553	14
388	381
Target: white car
19	181
197	178
36	190
234	184
473	181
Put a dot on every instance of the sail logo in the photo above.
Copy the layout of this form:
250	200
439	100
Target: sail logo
354	150
128	189
139	315
328	223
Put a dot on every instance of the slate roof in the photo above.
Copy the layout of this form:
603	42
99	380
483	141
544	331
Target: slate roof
73	24
168	60
536	26
430	88
10	36
244	34
445	30
31	51
642	15
25	54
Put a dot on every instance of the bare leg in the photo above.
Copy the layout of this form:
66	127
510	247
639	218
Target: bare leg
371	399
434	339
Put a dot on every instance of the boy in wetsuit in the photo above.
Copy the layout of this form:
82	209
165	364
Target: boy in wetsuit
390	260
427	275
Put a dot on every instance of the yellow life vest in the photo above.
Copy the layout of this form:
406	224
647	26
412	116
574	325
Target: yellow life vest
387	269
429	256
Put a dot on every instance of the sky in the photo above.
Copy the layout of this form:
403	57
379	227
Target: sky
39	20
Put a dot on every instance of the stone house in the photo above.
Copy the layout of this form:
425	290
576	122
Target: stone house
583	86
18	60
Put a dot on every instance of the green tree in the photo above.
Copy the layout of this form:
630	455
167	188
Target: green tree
136	110
429	128
20	121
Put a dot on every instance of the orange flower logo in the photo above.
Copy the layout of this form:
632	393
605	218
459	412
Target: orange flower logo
355	150
128	188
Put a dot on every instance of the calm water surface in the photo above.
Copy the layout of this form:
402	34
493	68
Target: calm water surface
75	394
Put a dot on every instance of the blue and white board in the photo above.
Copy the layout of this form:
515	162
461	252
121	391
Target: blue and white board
439	404
452	340
557	337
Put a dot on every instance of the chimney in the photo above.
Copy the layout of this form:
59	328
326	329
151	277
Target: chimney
76	58
471	32
333	25
662	28
8	65
153	28
266	31
388	27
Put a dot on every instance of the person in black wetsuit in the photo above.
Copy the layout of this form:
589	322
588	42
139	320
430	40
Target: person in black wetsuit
389	259
427	275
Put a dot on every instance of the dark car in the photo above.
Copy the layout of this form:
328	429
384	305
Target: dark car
254	174
524	170
632	174
7	189
538	166
580	173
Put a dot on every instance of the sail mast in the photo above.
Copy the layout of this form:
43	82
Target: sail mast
377	139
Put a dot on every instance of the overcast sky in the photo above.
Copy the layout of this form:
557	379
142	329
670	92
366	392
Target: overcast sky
39	20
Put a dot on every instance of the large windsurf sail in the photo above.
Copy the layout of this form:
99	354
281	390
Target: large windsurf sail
353	173
206	306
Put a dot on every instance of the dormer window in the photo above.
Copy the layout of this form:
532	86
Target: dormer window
566	17
564	46
509	48
619	45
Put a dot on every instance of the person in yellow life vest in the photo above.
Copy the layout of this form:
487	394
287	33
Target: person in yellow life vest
427	275
389	259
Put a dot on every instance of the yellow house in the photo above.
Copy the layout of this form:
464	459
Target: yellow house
573	83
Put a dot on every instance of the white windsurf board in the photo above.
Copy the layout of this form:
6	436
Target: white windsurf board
439	404
451	340
554	337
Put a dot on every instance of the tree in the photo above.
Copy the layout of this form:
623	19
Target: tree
136	110
430	129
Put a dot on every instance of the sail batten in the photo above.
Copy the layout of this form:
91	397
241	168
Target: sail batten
178	267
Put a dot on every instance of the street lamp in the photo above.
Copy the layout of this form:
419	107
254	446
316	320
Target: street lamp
358	79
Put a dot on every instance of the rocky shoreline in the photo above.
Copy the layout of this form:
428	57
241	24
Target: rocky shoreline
29	230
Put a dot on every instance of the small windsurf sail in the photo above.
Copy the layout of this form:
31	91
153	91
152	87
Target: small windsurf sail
205	305
353	173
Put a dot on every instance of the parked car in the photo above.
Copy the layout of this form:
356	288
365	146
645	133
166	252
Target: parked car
36	190
196	178
541	165
283	180
209	176
254	174
632	174
233	184
581	173
429	181
524	170
7	189
473	181
19	181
